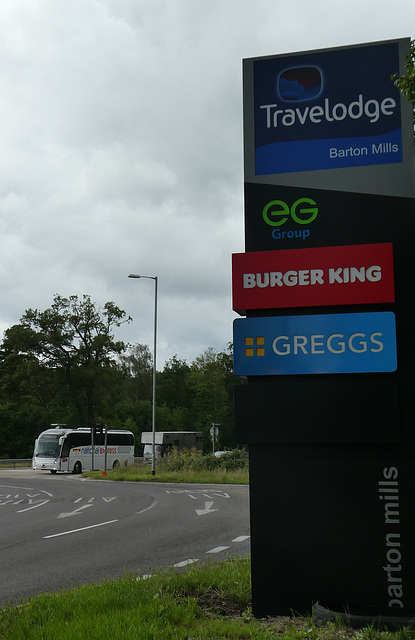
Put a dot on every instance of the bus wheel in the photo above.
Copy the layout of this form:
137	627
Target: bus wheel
53	471
77	468
116	464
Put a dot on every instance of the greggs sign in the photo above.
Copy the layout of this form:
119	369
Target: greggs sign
346	275
330	343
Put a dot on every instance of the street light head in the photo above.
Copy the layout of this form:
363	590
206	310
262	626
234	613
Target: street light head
135	275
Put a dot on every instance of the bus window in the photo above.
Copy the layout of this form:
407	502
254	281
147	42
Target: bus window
47	445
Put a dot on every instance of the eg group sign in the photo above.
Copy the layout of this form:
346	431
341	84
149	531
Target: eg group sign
315	344
327	109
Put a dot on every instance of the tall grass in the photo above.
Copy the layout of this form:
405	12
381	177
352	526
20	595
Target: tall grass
209	601
163	606
187	466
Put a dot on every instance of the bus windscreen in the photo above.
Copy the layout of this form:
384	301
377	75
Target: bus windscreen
47	445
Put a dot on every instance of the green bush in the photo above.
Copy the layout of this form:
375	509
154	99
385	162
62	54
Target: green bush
193	460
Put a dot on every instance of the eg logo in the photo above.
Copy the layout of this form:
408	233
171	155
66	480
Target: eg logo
276	213
297	84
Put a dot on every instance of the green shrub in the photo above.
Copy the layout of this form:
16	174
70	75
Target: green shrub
193	460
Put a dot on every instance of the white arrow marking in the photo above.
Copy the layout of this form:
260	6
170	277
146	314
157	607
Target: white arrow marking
207	509
74	513
109	499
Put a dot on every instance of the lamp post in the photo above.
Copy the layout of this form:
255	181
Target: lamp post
153	417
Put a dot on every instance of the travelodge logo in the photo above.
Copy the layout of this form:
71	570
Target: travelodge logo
297	84
327	109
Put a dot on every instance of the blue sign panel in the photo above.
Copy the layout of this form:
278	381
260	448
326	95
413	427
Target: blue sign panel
315	344
327	110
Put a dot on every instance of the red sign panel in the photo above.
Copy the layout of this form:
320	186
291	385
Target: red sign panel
325	276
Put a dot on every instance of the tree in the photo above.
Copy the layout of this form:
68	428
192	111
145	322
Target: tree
211	380
173	384
406	83
73	342
137	363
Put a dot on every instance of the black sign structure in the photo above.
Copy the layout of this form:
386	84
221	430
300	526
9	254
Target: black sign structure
332	473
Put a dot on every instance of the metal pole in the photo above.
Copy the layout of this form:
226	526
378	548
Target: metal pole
106	449
214	434
153	412
153	420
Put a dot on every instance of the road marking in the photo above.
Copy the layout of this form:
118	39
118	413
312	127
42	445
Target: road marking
147	508
41	503
74	513
241	538
92	499
184	563
92	526
217	550
207	493
207	509
11	486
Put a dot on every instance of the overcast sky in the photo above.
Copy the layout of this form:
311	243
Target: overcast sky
121	149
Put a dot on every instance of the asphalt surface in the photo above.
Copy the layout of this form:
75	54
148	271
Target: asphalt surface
57	531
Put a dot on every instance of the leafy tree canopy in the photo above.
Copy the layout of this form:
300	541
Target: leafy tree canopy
406	82
74	338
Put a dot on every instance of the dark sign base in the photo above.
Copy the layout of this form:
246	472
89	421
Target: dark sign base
332	524
359	621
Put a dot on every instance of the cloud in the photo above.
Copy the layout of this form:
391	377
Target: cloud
121	129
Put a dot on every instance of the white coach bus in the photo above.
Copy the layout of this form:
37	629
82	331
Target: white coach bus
77	450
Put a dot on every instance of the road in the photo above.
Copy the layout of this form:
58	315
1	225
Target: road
57	531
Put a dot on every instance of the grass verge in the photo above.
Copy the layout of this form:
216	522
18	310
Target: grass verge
142	473
209	601
187	465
